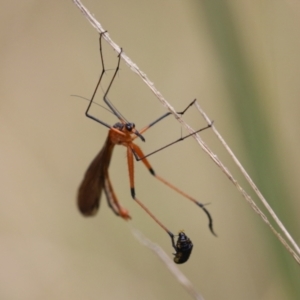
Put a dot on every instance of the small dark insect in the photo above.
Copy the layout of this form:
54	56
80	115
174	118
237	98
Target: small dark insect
183	248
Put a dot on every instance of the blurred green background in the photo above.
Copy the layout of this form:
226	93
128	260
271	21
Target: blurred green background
240	59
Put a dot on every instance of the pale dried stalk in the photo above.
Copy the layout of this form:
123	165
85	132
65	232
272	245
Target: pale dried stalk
181	278
144	77
255	189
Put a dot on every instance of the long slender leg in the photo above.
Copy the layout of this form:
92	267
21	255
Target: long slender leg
113	109
172	143
164	116
139	152
131	179
112	200
111	106
97	86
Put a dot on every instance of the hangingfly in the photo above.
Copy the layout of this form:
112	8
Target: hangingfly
97	178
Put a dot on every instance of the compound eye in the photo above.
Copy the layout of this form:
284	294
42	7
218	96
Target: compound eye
129	126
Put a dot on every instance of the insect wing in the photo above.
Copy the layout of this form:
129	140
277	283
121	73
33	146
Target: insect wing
89	193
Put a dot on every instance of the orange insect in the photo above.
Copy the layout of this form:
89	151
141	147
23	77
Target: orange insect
122	133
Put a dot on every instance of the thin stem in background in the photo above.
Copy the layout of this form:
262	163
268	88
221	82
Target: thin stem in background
181	278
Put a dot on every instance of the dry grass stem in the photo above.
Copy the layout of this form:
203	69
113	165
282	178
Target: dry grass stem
296	252
182	279
256	190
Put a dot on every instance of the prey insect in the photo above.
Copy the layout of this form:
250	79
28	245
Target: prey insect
183	248
96	178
